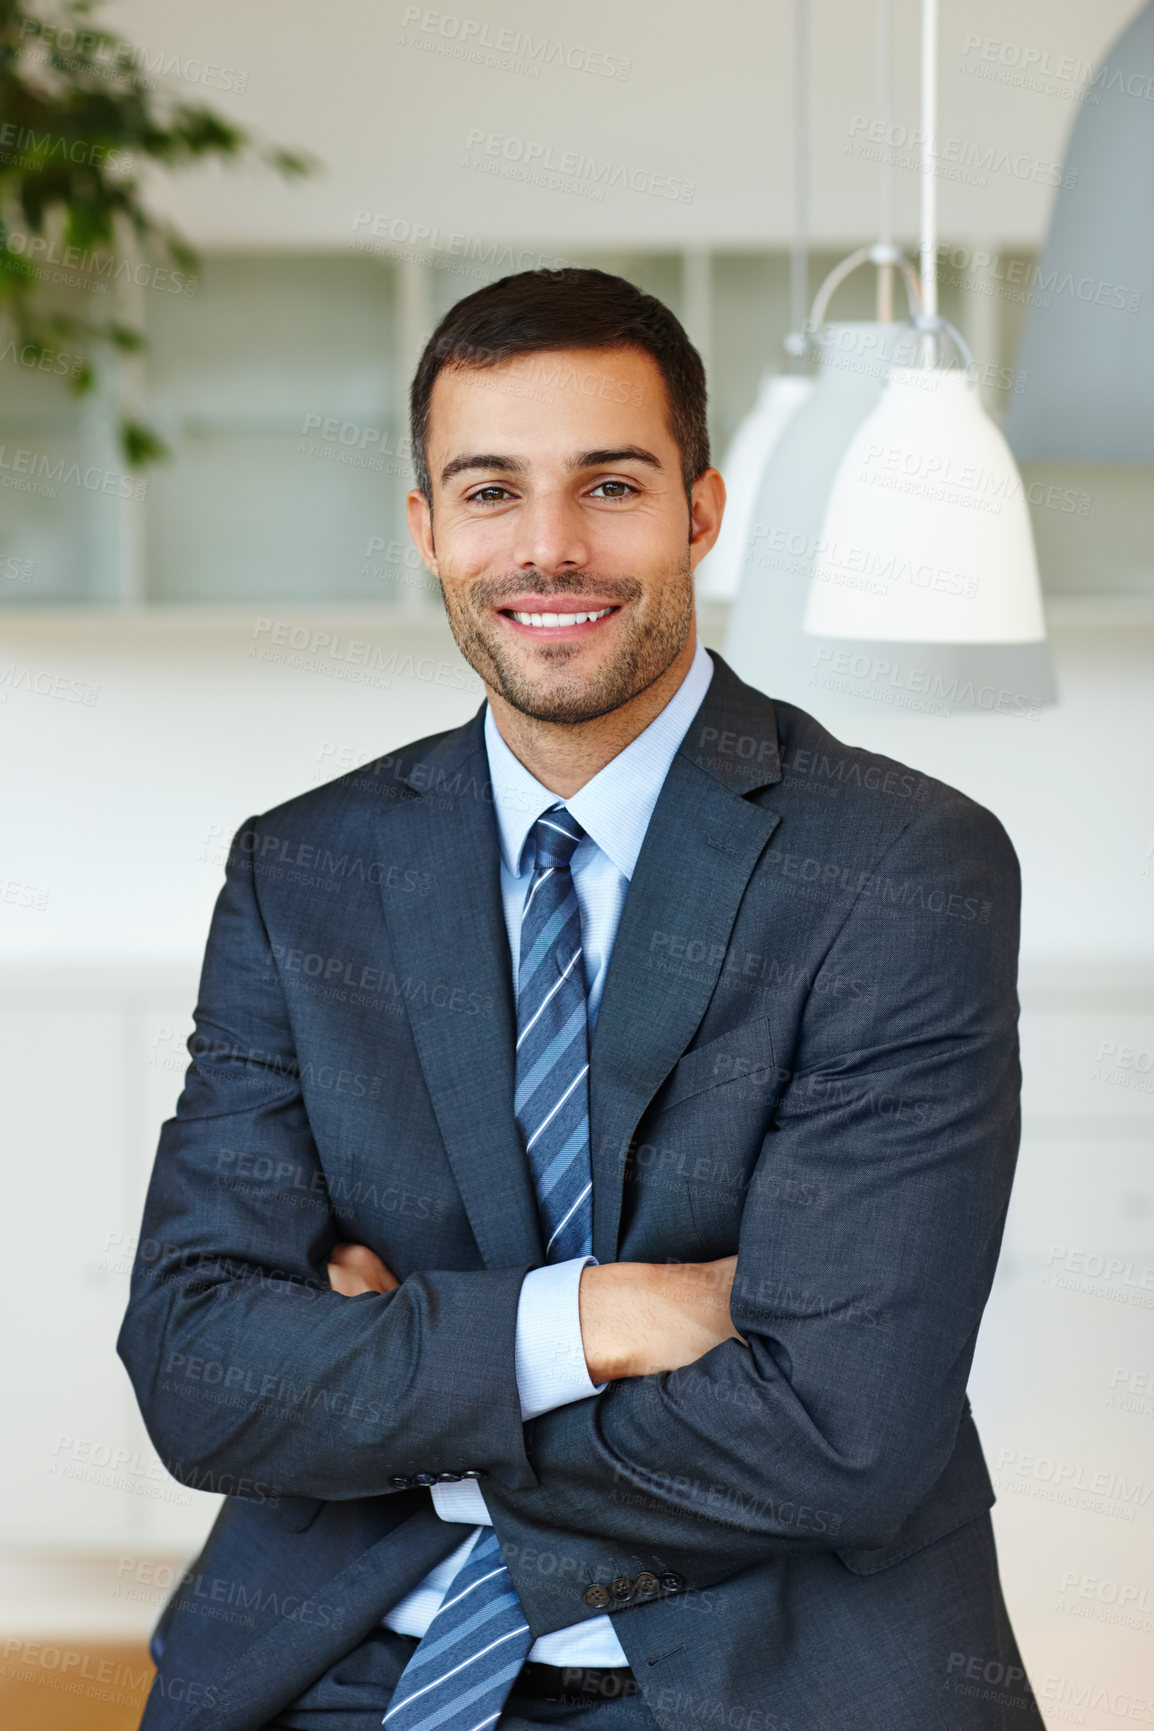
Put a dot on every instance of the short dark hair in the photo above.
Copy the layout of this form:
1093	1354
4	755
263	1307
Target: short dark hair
538	310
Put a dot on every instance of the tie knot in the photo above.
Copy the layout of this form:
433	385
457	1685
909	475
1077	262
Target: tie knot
556	834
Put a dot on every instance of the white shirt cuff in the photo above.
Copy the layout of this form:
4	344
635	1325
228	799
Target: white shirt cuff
460	1500
550	1354
550	1366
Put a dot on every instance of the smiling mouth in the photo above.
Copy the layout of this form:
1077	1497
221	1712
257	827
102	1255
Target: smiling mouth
558	621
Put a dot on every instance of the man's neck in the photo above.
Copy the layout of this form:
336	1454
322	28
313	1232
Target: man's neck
564	756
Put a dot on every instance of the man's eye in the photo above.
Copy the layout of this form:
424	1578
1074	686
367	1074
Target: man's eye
617	490
488	495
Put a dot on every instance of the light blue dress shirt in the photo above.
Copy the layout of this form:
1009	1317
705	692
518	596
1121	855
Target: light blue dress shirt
613	808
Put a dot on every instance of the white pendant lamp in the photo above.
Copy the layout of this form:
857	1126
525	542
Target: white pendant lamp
926	538
1088	347
926	593
763	642
780	395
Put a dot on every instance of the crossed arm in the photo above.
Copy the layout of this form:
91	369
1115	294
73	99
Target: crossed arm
841	1395
637	1318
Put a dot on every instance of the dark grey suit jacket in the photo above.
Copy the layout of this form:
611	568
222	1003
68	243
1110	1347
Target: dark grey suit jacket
806	1053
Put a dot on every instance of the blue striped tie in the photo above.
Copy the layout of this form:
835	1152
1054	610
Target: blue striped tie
463	1667
551	1099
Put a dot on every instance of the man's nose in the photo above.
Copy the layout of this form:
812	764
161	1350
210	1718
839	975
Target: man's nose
551	536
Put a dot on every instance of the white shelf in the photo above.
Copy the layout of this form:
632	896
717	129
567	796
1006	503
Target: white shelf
1061	610
1119	610
144	617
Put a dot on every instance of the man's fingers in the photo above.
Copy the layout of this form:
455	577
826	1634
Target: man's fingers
722	1272
354	1268
729	1265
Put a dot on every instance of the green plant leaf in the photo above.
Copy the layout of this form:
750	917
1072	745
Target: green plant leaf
84	119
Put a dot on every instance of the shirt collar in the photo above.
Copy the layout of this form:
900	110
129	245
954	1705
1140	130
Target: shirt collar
615	805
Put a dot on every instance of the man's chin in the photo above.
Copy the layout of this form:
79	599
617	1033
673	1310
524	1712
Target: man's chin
566	701
562	709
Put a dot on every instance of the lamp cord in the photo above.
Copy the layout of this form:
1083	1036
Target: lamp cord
928	259
885	284
799	244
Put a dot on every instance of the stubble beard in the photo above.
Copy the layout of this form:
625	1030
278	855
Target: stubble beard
648	647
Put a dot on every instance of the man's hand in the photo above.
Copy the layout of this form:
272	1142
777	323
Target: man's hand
354	1268
638	1318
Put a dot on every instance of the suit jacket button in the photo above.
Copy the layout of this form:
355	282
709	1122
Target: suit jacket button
596	1597
424	1478
646	1585
473	1473
622	1589
400	1481
449	1478
672	1582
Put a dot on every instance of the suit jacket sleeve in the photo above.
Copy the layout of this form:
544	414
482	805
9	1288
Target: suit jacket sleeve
868	1242
253	1377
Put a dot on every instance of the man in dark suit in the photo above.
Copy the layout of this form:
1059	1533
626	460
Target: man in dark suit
569	1247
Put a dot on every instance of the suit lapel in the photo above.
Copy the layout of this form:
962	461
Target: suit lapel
452	951
703	842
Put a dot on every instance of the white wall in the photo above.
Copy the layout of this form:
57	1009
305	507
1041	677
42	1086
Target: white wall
120	810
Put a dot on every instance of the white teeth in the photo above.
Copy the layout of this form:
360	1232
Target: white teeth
556	619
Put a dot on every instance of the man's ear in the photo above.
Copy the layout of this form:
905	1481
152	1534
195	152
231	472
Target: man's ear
707	506
420	518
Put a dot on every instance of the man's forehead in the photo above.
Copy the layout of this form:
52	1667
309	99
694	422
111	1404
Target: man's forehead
568	399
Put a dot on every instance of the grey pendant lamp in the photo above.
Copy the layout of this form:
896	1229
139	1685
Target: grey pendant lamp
1088	347
780	395
764	642
926	596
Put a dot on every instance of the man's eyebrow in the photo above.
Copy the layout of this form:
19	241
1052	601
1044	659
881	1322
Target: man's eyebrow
490	460
481	460
603	459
